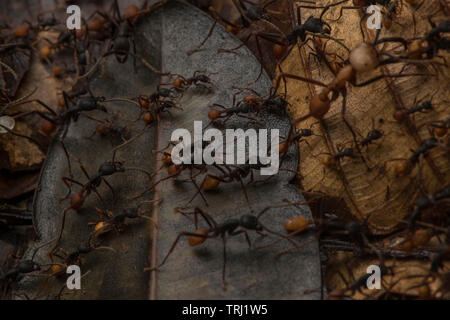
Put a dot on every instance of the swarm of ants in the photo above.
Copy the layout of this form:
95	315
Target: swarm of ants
423	233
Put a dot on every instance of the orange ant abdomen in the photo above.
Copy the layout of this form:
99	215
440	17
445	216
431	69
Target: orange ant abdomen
195	241
296	224
209	183
214	114
279	51
148	118
77	201
178	82
48	127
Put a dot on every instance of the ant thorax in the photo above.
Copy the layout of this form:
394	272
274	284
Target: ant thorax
232	152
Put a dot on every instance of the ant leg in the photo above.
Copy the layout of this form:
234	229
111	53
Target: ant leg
197	48
245	193
125	144
224	241
133	40
362	84
110	188
172	248
68	182
67	155
199	191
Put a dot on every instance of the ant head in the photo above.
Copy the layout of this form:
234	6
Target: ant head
100	99
250	222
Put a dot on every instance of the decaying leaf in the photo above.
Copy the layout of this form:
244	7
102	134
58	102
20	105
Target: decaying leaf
368	182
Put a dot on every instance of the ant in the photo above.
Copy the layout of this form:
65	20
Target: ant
373	135
116	222
24	266
295	137
425	202
316	26
108	128
434	39
199	79
228	228
320	54
438	128
405	166
402	114
333	160
83	104
252	103
174	170
124	33
47	20
239	173
108	168
157	103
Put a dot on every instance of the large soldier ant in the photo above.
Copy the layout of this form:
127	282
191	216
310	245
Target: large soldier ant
252	103
124	34
230	227
116	222
425	202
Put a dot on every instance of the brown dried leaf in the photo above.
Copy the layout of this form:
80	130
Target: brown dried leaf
366	189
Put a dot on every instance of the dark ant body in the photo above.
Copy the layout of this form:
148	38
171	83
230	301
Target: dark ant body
108	128
251	103
438	259
371	137
238	174
48	20
24	267
333	160
228	228
316	26
424	202
294	137
108	168
405	166
199	79
427	145
160	101
402	114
